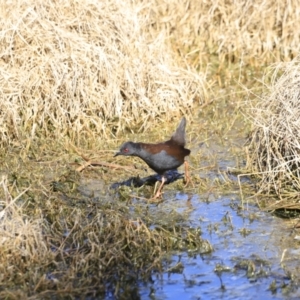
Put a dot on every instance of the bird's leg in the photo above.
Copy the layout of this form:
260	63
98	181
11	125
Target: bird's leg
187	178
159	193
157	183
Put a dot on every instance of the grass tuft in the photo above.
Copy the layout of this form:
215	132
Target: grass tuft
275	142
66	243
83	69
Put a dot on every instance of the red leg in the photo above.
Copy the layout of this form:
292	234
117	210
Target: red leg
159	193
187	177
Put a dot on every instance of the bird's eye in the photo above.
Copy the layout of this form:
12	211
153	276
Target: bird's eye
125	150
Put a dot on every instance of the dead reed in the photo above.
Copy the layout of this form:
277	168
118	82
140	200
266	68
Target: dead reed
63	244
247	32
77	70
83	69
275	142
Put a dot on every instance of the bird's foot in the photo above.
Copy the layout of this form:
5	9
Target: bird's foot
158	194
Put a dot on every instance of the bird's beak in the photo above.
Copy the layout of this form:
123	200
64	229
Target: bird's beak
118	153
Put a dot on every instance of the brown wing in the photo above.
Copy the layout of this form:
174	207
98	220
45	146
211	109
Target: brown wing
170	147
156	148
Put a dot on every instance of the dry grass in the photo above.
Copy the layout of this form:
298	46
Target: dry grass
255	32
63	244
77	70
275	141
86	68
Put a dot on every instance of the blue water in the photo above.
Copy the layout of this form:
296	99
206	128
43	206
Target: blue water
223	223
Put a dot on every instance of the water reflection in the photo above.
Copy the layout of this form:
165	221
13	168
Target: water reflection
245	264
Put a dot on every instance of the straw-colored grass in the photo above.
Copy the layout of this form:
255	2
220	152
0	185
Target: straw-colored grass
256	32
83	68
275	141
63	244
75	67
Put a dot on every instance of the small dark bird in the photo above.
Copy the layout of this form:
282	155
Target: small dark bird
161	157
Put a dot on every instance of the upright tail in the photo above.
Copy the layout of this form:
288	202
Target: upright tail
179	135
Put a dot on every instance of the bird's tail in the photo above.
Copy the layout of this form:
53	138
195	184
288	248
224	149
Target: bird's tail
179	135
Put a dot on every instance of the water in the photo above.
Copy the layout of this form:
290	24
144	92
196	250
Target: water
248	248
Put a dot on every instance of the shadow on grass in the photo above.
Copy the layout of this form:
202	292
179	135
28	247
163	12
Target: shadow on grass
171	176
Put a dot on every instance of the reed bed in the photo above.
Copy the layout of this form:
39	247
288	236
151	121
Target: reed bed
62	244
275	142
84	71
84	68
255	33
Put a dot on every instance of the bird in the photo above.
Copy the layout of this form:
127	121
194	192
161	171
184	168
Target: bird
161	157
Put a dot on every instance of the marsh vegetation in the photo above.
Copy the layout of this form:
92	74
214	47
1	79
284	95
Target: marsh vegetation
79	78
